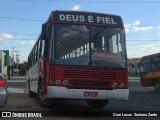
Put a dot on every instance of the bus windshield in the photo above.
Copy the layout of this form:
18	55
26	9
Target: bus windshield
87	45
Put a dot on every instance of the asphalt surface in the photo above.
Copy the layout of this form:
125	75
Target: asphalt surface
141	99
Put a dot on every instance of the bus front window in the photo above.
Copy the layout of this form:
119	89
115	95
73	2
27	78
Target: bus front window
107	47
88	45
71	44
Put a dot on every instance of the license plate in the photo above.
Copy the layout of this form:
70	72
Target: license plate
91	94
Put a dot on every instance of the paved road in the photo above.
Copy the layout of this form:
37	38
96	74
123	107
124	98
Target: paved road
140	99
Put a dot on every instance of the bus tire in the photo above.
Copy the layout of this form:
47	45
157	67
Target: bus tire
31	94
41	98
97	103
157	85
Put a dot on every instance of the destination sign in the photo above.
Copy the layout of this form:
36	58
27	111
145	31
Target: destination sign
86	18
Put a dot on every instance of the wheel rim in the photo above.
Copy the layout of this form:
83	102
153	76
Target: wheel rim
41	95
157	85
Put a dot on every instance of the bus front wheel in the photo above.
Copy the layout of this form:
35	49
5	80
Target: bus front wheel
41	98
157	85
97	103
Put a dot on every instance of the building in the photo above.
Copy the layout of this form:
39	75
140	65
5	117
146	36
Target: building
4	54
132	66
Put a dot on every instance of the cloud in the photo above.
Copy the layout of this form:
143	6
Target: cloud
76	7
135	26
22	42
144	50
127	30
25	48
158	27
136	22
30	42
147	28
6	36
127	26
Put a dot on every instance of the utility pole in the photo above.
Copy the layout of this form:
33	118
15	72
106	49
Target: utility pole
8	66
13	60
12	66
17	60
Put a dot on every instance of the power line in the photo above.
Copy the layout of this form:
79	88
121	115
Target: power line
142	25
141	34
18	39
142	40
140	43
127	34
126	40
21	33
26	19
94	1
141	37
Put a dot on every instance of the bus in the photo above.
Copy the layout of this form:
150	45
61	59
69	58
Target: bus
79	56
150	71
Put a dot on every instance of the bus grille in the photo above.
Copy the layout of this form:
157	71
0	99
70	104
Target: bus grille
87	77
88	73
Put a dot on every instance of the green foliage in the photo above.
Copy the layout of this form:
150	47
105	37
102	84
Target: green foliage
22	67
6	57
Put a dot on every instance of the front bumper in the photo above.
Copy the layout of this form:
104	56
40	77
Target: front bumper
65	93
3	96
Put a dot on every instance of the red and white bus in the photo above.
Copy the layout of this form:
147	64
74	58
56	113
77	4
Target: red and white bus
79	56
150	71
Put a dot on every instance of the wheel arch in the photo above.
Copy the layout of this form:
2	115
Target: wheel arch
39	80
155	79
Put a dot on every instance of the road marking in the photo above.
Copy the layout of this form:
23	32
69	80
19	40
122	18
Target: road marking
132	80
16	81
15	90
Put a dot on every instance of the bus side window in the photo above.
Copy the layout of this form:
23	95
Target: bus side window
42	47
35	53
156	63
32	58
38	49
146	65
29	62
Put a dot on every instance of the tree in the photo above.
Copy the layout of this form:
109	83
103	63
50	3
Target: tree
22	67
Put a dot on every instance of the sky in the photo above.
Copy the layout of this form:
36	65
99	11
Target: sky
21	21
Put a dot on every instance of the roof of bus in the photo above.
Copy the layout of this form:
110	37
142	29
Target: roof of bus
152	55
85	17
54	11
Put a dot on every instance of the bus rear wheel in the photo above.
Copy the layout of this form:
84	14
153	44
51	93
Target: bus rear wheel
31	94
41	98
97	103
157	85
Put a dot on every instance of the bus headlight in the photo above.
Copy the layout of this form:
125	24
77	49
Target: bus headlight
121	85
57	82
65	82
114	84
